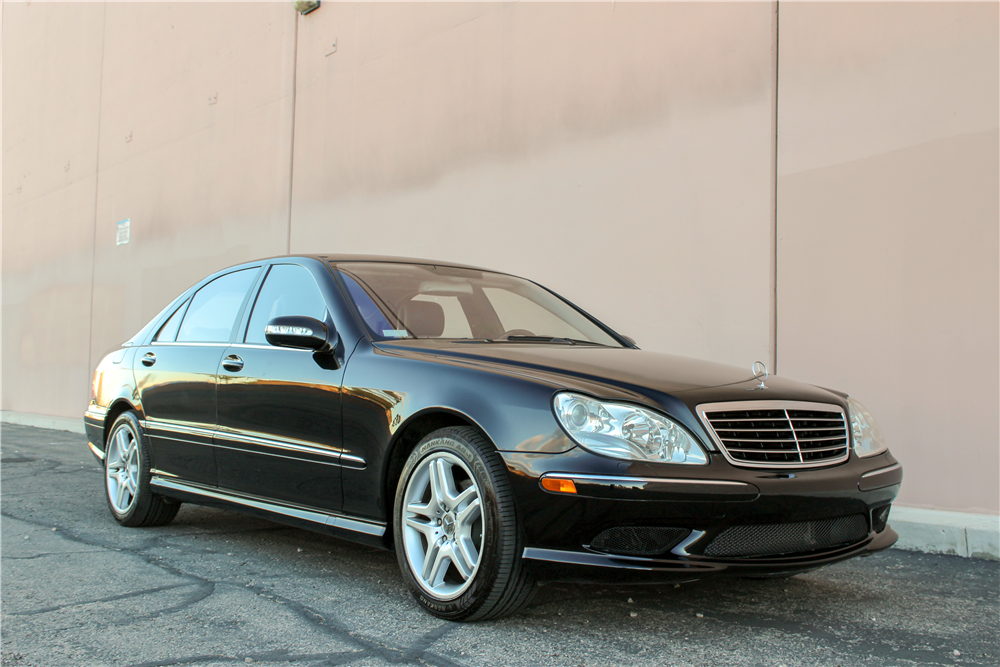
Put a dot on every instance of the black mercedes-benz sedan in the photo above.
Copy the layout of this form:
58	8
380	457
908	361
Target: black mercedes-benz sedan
488	430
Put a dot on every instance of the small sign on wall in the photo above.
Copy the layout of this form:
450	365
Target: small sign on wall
123	232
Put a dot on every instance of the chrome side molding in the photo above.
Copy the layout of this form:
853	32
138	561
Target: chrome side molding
284	446
293	511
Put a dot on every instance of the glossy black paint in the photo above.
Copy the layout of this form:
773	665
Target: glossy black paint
280	394
326	433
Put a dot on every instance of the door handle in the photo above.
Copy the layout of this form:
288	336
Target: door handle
148	359
232	363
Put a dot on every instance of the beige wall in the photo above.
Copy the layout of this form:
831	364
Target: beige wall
888	219
622	153
51	111
619	154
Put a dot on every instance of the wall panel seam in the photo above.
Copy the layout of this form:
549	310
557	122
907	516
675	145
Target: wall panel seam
291	150
97	181
774	192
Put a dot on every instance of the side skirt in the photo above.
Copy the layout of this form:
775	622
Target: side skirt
364	531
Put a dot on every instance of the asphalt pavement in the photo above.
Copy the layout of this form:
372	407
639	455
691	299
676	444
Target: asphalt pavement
217	588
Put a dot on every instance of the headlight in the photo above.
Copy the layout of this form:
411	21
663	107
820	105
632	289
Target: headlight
625	431
865	433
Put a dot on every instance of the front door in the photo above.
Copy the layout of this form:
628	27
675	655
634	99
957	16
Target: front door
279	424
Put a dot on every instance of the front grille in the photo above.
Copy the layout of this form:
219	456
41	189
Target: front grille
788	538
778	434
637	540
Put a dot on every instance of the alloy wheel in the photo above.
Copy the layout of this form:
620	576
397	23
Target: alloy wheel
122	472
443	526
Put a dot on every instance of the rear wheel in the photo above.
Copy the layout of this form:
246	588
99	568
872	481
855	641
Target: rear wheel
457	538
126	477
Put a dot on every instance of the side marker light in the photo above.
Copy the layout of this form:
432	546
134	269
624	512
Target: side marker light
558	485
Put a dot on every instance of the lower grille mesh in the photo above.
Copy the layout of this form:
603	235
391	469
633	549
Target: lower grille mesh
788	538
637	540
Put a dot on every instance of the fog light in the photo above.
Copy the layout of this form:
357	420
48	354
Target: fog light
879	517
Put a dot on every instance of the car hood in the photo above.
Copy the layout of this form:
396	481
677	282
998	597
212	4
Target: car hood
627	368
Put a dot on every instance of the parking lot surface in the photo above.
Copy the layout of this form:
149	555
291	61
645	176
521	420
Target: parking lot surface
219	588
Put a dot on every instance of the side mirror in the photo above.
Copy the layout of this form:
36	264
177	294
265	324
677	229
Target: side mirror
303	333
630	340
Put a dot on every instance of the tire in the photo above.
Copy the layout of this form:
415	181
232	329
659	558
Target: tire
456	532
126	478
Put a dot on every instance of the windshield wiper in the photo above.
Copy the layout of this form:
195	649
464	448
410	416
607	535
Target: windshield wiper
549	339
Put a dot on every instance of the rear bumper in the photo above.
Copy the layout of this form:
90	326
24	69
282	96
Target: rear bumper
93	424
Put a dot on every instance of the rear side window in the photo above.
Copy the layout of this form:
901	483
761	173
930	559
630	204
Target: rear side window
288	290
212	313
168	332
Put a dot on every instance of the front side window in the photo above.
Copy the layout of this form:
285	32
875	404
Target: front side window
425	301
289	289
212	313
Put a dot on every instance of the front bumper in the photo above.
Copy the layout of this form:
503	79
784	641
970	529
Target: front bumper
577	565
704	501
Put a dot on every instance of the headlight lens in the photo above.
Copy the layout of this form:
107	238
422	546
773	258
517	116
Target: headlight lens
865	433
626	431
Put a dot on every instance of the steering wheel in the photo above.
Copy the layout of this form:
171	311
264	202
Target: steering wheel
516	332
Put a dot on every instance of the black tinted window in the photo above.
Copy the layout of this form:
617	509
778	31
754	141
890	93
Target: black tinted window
213	309
428	301
168	331
370	312
288	290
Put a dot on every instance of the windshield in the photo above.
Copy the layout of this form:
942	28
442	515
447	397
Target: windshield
424	301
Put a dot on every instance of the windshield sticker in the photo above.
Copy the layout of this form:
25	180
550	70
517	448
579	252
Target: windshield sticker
395	333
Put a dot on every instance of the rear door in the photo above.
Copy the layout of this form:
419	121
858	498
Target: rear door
176	377
279	428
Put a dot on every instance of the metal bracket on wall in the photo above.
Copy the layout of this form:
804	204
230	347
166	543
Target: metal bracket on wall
305	6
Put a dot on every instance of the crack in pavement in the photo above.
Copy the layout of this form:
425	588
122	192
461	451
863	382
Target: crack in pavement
384	650
50	553
335	658
110	598
387	651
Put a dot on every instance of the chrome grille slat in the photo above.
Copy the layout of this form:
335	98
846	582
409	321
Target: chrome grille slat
765	451
834	437
754	430
778	434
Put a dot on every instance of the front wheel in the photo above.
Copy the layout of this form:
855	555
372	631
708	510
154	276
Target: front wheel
457	538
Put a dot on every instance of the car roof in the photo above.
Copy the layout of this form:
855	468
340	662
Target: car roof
341	258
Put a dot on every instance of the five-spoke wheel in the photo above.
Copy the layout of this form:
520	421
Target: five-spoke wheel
126	477
443	534
122	469
456	532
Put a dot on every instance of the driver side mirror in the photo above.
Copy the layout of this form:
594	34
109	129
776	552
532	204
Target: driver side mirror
303	333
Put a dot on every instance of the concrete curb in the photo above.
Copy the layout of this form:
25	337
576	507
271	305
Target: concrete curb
43	421
941	532
931	531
